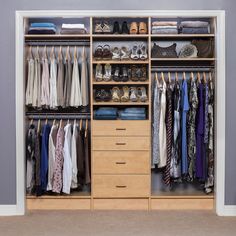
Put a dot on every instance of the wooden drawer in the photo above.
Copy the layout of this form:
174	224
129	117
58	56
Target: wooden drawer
121	186
121	128
121	143
121	162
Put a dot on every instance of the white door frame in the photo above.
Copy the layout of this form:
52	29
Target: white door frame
220	207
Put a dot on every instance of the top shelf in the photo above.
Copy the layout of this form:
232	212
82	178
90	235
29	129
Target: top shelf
56	36
182	35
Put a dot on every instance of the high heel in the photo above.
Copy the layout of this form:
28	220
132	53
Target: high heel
142	94
115	94
143	52
116	74
124	75
125	96
135	52
133	94
98	74
107	75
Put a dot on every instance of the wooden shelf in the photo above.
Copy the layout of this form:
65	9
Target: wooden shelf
183	59
74	195
182	35
120	103
56	36
120	83
194	195
120	62
112	36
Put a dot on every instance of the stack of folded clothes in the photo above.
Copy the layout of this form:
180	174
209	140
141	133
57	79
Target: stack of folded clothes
105	113
194	27
132	113
73	29
42	28
164	27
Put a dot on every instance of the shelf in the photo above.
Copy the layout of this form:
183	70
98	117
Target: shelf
120	62
120	103
183	59
181	195
56	36
120	83
182	35
112	36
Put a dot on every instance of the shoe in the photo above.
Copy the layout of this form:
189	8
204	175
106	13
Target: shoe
107	55
106	28
125	29
98	95
143	52
143	76
142	94
116	74
116	53
124	74
124	53
106	95
98	29
133	73
135	52
116	28
102	95
125	96
133	94
133	28
142	28
115	94
107	74
98	54
98	73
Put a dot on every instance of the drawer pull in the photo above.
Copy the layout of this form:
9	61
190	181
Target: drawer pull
120	143
121	186
120	163
120	128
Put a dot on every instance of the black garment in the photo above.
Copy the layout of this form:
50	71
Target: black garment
38	160
87	158
80	157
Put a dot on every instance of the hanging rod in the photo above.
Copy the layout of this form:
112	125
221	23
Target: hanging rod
57	42
181	69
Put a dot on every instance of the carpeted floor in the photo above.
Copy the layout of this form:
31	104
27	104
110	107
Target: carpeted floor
122	223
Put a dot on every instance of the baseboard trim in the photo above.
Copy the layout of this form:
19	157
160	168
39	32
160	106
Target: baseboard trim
10	210
227	210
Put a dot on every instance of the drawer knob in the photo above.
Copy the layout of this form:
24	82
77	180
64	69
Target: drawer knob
121	186
120	143
120	128
120	162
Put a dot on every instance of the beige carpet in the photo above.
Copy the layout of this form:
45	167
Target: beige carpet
122	223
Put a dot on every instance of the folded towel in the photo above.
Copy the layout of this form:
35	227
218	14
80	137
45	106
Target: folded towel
164	27
204	30
165	31
73	31
164	23
43	24
42	31
134	110
104	117
194	24
73	26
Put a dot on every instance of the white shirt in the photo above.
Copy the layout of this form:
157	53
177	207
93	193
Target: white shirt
53	84
74	182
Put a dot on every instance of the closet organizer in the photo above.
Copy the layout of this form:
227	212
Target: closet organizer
120	112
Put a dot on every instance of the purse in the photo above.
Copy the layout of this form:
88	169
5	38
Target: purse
164	52
205	47
188	51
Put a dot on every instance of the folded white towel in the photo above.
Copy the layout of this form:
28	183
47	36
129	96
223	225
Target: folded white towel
164	27
73	26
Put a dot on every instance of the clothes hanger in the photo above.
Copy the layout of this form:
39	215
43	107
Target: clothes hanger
38	128
30	54
45	52
68	121
60	123
54	122
191	75
80	124
52	56
156	78
68	53
176	76
31	122
184	75
37	52
198	77
86	128
169	77
162	77
210	76
204	77
60	53
75	53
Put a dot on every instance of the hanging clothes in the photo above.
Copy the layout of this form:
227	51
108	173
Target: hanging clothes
169	134
57	173
44	156
38	164
80	156
162	130
75	99
30	159
67	84
60	83
84	79
156	122
193	105
175	170
200	152
67	165
53	83
74	181
87	158
185	108
45	93
30	83
37	83
51	155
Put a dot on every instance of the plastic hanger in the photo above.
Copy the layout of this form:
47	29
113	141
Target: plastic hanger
86	128
68	53
60	123
204	77
30	54
169	77
176	76
184	75
80	124
156	78
191	76
199	77
60	53
75	53
39	124
162	77
45	52
52	55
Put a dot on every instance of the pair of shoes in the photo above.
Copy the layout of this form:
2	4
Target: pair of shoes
103	52
102	27
121	74
120	95
122	53
138	94
138	28
138	73
100	76
102	95
120	30
139	52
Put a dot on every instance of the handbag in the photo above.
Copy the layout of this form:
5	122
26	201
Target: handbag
188	51
205	47
164	52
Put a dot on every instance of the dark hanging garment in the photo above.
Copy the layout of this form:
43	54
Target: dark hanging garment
80	157
38	188
44	157
87	157
200	152
30	159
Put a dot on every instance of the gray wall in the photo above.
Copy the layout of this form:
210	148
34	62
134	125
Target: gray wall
7	72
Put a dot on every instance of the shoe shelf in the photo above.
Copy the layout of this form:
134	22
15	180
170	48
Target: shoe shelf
112	36
120	62
120	83
183	59
182	35
120	103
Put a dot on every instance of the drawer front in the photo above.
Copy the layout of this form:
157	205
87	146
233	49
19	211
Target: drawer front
121	128
121	143
121	186
121	162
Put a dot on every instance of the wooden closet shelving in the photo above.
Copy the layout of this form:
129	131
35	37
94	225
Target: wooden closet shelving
120	62
183	59
121	83
179	36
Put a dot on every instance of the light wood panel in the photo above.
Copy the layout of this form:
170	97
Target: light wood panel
56	36
121	128
120	83
119	36
177	36
120	62
121	143
115	186
183	59
121	204
121	103
121	162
